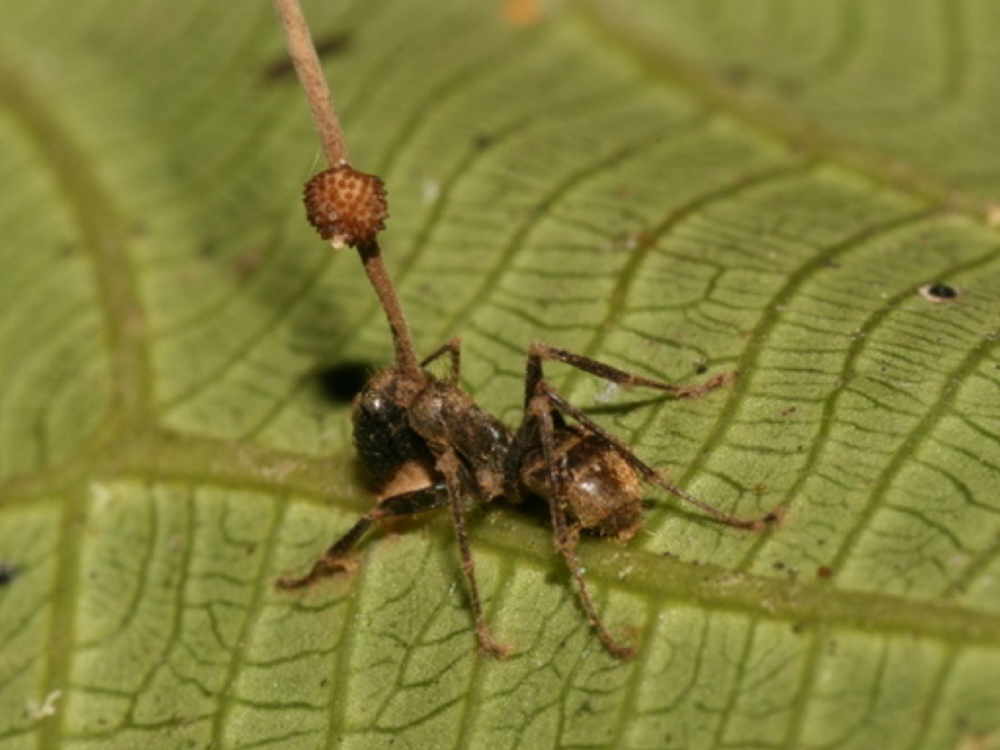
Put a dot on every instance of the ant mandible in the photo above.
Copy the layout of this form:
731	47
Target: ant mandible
426	443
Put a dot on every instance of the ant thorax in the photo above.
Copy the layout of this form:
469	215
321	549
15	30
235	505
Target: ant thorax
448	418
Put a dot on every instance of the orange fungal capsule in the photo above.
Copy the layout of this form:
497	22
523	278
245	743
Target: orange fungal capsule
346	206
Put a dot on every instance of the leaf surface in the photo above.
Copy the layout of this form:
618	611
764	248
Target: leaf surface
780	190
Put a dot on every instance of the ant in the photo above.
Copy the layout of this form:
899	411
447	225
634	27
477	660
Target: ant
426	444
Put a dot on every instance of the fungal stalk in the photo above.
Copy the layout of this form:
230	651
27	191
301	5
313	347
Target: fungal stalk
347	207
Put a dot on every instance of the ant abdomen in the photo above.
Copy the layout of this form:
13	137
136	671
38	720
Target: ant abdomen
601	492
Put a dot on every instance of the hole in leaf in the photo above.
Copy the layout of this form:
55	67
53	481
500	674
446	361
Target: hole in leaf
938	292
340	383
8	572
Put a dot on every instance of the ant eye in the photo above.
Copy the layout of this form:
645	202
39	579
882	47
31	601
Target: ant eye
346	206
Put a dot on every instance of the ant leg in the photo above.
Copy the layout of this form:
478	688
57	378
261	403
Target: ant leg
539	351
566	537
448	464
648	472
524	439
335	559
453	348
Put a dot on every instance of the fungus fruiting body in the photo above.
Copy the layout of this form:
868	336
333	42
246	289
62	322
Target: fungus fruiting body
346	206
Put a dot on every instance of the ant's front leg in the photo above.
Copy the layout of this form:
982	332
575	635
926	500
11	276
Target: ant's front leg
448	464
336	559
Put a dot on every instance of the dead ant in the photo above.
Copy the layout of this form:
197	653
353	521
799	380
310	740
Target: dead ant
427	444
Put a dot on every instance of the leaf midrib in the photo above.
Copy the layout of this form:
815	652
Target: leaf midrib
710	586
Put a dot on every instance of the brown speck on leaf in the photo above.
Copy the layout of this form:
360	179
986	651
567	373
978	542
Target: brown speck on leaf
346	206
722	380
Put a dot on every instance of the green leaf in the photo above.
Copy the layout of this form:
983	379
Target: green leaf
680	189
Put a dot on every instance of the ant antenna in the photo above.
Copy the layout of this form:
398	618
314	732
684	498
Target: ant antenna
346	206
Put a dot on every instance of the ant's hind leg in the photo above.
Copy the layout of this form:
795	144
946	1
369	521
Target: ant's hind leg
336	559
647	472
540	351
566	537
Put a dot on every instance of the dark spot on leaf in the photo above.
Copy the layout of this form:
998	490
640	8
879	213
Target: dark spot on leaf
789	88
8	572
738	74
247	262
824	573
341	383
482	141
938	292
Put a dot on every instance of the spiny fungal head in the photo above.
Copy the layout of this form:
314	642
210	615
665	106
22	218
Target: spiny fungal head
346	206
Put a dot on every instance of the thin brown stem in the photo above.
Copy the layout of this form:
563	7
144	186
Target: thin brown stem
306	62
406	357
